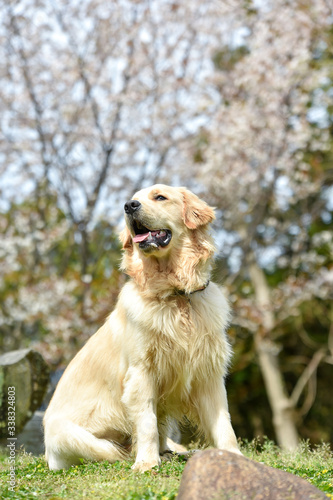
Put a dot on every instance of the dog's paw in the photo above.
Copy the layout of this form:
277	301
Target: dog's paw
237	451
233	450
142	466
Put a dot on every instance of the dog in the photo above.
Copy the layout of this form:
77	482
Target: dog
163	352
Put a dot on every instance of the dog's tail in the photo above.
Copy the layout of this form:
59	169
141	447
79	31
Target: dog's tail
66	443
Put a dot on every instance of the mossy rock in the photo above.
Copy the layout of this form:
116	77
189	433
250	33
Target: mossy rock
27	372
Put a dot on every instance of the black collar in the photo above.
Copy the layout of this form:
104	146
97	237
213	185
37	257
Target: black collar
182	292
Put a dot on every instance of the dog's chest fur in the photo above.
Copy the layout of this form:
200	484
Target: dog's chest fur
181	337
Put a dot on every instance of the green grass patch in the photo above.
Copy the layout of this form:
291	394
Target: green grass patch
117	481
313	464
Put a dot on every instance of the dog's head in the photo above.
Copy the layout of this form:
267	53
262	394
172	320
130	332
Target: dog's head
159	216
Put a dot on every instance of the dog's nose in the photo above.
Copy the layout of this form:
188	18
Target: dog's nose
131	206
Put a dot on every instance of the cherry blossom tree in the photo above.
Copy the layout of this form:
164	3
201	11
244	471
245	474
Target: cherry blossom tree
97	98
45	300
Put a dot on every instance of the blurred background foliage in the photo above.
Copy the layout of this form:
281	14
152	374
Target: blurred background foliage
234	101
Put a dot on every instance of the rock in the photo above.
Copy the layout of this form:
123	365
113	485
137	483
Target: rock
26	371
222	475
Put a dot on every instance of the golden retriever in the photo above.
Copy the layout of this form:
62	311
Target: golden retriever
163	352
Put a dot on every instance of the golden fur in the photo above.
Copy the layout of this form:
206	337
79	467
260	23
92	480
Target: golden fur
161	354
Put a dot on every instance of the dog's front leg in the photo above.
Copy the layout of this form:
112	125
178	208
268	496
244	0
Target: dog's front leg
214	416
140	400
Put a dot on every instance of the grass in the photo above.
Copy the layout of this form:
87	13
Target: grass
315	465
117	481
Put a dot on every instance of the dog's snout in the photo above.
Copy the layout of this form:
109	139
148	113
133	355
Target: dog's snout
131	206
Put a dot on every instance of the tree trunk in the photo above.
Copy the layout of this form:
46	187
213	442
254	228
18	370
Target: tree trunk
281	405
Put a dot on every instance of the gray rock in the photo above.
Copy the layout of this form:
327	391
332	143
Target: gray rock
221	475
27	372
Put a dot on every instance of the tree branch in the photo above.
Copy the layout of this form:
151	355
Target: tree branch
31	92
308	372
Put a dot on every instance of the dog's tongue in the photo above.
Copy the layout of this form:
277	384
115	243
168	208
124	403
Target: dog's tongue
147	236
140	237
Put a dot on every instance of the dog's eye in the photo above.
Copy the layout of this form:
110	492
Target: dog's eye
160	197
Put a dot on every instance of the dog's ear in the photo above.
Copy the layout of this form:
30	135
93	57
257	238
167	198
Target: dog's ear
196	212
126	238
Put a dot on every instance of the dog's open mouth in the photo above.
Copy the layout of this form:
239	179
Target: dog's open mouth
149	237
